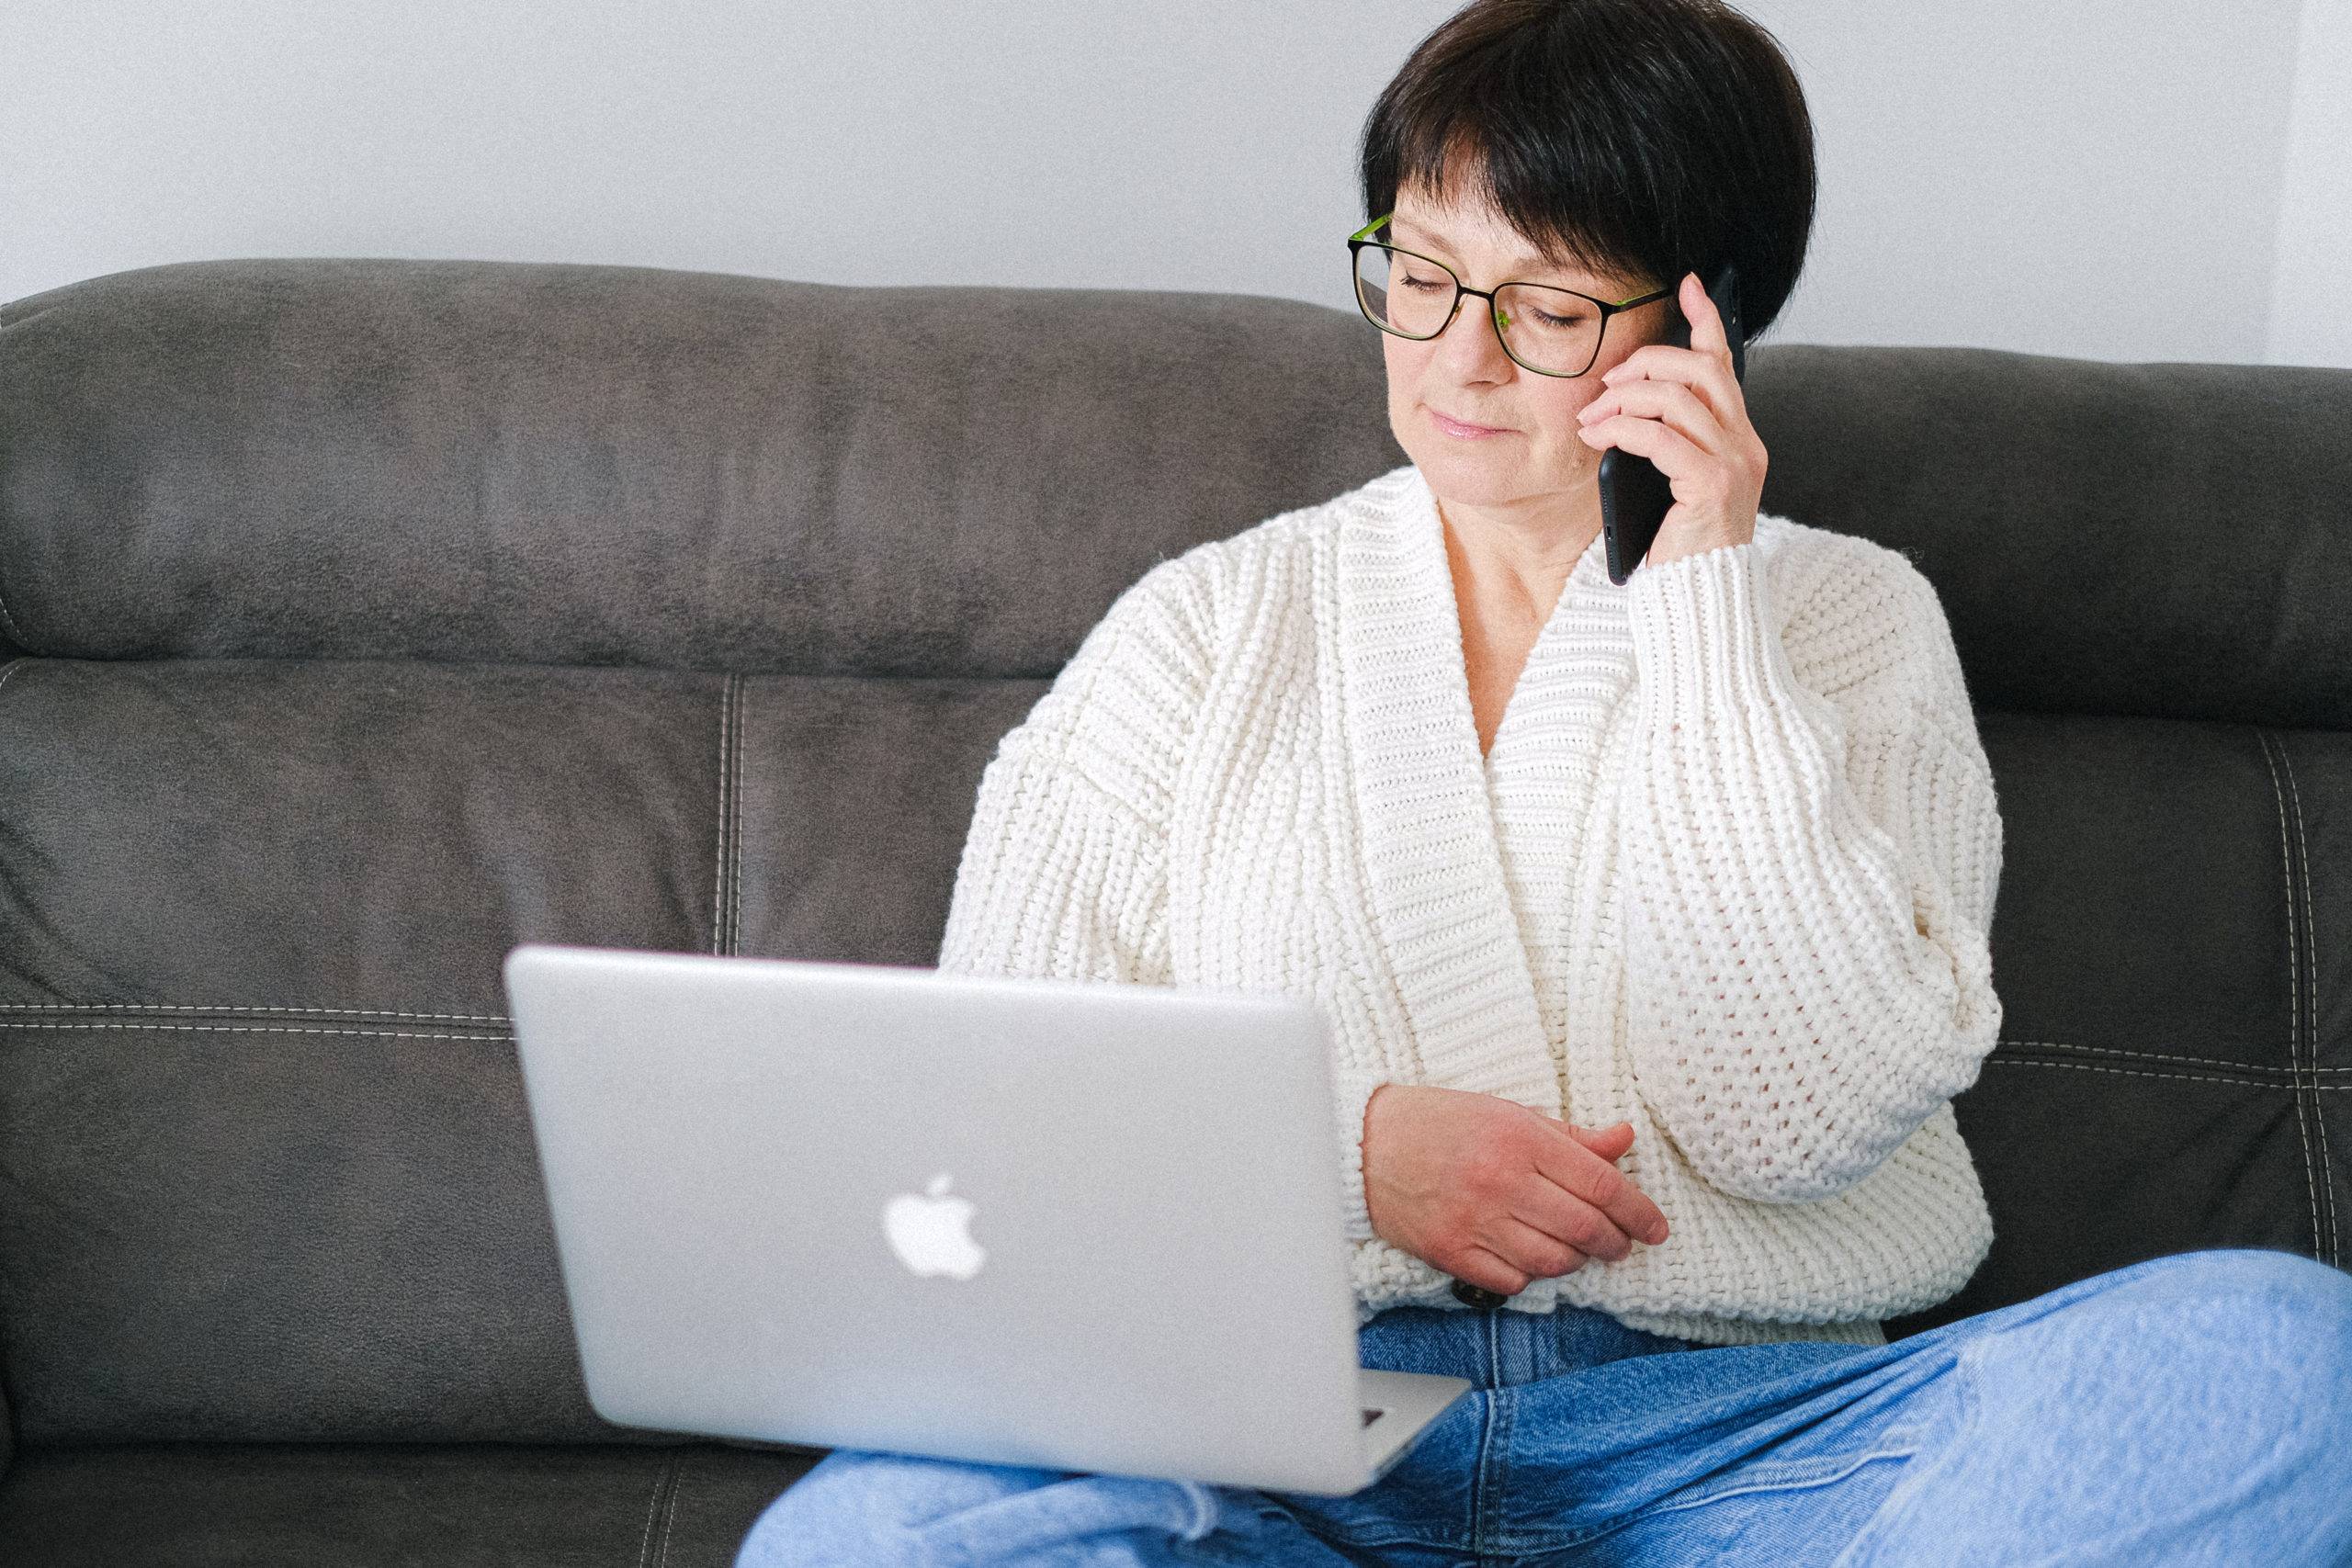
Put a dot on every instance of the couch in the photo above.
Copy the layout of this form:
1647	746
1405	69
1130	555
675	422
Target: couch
360	618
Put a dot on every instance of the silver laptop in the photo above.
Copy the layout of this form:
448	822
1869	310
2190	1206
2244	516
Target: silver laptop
1038	1223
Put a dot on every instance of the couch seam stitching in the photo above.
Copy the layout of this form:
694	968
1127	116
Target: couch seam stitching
2310	1010
2120	1052
669	1509
486	1035
16	632
2294	1088
2131	1056
226	1007
482	1038
735	833
718	870
2294	990
652	1507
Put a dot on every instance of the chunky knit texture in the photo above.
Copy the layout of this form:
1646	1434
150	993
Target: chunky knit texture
1726	873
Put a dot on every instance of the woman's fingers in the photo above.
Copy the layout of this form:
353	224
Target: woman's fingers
1676	406
1481	1266
1579	1177
1569	1221
1536	1251
1711	374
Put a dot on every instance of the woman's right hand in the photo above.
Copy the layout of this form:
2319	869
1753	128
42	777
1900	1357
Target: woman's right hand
1494	1193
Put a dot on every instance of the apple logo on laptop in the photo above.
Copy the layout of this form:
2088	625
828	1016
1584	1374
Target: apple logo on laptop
931	1235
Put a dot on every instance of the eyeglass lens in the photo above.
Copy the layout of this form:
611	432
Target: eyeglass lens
1549	330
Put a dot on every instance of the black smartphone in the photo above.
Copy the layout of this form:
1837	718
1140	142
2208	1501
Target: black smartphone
1635	497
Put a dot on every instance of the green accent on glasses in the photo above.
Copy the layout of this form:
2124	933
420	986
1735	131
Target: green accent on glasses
1362	238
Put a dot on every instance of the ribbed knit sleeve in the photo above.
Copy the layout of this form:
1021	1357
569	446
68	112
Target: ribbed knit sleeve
1812	848
1354	1086
1064	874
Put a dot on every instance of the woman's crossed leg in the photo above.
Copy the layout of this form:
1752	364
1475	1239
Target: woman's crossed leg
2194	1408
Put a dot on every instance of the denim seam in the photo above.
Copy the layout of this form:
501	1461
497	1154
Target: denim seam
1898	1501
1901	1443
1786	1478
1485	1486
1204	1510
1797	1480
1494	1471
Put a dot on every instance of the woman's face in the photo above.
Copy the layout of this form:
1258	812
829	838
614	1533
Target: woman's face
1535	463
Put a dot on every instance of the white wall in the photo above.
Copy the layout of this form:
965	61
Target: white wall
2114	179
2098	178
2311	315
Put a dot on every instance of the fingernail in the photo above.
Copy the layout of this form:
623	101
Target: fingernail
1657	1234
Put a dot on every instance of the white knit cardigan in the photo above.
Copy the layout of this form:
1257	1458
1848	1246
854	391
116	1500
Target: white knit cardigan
1727	873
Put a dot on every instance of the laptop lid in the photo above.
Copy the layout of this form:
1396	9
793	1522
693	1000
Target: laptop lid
1018	1222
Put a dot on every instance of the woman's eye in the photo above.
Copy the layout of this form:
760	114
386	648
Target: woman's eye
1426	285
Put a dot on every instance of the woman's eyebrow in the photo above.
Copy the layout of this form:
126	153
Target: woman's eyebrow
1521	262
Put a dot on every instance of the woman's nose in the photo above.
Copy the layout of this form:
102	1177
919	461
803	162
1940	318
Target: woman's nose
1473	337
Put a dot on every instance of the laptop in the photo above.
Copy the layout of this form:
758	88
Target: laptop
1040	1222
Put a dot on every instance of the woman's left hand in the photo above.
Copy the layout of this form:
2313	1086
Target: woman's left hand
1682	409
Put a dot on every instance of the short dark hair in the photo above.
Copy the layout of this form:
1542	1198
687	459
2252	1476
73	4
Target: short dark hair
1641	138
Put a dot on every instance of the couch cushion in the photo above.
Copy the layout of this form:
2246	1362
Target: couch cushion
266	1171
2153	540
589	464
2175	1065
292	1505
583	464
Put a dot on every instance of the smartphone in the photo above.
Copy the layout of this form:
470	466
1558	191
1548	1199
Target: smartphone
1635	496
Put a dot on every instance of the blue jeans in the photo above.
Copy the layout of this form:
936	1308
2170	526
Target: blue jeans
2191	1409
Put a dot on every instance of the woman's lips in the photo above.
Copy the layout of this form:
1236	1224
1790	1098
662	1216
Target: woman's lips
1467	432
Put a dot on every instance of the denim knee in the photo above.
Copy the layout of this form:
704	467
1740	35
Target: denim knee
2279	1317
2306	1296
857	1509
2147	1414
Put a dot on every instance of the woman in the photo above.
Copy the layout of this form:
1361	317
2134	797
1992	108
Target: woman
1705	861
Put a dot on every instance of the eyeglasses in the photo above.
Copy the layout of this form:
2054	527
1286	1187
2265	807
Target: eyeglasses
1553	331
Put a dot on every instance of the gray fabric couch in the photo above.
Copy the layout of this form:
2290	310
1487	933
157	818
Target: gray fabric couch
361	618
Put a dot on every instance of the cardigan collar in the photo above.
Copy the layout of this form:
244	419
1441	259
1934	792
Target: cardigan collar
1432	860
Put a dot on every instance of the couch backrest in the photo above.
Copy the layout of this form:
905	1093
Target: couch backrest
364	619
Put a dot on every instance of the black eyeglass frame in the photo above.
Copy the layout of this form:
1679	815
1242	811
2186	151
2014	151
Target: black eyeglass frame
1362	238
